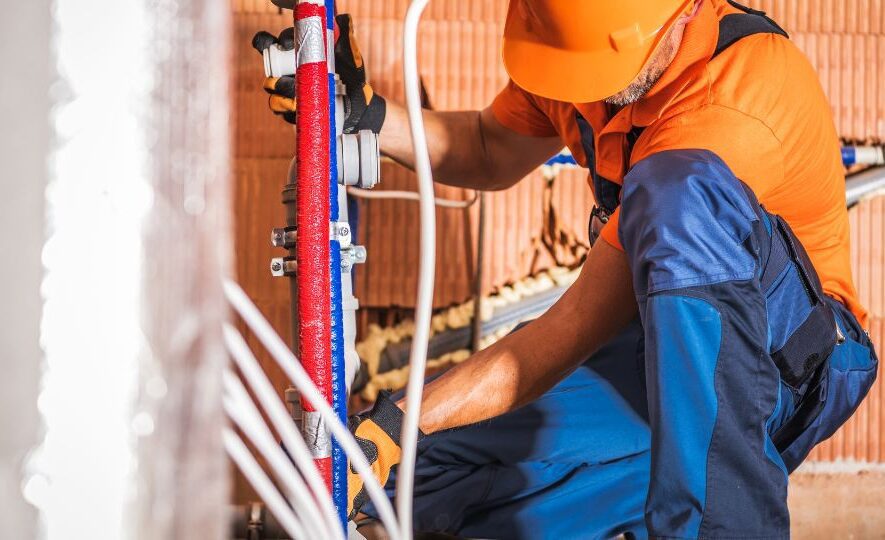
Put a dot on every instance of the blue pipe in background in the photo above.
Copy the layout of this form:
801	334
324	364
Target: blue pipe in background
851	155
848	156
863	155
562	158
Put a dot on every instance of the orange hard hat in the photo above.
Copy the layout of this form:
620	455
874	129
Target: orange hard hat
583	50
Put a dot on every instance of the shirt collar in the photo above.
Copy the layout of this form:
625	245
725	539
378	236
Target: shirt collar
696	49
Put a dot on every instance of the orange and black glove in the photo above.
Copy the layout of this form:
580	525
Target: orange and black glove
363	108
281	89
378	434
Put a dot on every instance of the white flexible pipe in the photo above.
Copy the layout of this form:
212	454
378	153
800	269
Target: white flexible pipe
292	367
410	196
418	356
244	413
253	472
299	499
307	518
281	419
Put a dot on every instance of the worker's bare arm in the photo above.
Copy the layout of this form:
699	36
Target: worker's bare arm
467	148
527	363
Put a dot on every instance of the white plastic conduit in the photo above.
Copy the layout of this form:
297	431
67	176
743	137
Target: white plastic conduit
262	484
281	421
239	407
292	368
418	357
410	196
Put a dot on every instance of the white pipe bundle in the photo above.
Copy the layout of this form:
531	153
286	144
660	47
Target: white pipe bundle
292	368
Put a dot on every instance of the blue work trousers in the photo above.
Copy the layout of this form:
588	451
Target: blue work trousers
688	423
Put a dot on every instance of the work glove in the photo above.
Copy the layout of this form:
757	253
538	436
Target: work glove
363	108
281	89
378	435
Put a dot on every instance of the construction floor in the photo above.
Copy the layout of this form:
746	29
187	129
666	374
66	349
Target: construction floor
828	506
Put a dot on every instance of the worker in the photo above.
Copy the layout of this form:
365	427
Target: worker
714	335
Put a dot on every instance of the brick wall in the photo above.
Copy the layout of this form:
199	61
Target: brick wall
845	40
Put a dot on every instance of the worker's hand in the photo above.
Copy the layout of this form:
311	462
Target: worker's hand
281	89
378	434
363	108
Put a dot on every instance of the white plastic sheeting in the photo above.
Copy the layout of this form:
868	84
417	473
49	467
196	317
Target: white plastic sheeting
24	142
137	242
183	472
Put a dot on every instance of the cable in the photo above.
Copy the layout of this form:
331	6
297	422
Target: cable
253	472
424	304
242	411
411	196
280	418
290	365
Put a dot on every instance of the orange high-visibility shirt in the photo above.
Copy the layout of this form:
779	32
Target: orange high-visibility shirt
758	105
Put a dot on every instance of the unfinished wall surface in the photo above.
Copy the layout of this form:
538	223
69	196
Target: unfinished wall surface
458	56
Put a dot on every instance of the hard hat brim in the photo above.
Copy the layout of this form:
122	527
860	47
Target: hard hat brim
572	76
583	69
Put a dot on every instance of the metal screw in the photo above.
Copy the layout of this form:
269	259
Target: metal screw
343	231
276	266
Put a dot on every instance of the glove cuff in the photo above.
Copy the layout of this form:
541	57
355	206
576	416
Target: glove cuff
389	417
373	117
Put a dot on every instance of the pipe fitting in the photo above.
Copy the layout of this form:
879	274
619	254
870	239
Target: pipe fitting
359	159
278	62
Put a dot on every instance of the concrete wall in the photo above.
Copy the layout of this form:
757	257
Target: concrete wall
24	142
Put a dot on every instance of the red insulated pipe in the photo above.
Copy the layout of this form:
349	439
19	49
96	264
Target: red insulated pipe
312	240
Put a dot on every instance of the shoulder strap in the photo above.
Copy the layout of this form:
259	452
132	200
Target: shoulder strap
736	26
606	192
